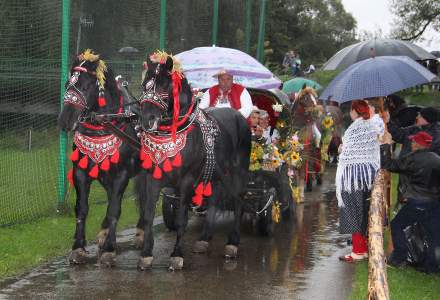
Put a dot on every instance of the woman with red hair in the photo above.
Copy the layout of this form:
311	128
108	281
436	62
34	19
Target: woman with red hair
358	163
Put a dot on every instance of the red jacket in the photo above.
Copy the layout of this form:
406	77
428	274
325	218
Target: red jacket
234	96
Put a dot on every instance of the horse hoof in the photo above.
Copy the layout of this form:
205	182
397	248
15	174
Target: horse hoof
231	251
230	265
107	259
101	236
77	256
201	247
139	238
145	263
176	263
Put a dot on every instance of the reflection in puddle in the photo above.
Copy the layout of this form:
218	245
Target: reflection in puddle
287	266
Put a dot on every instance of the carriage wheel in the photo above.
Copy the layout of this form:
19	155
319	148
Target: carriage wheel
265	223
169	211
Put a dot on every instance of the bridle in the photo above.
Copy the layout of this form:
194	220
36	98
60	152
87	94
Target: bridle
161	100
75	97
150	95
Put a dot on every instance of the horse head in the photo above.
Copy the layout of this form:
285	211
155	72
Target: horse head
90	88
305	106
166	92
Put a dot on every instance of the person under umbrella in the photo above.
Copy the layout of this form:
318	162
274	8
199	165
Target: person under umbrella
422	167
427	120
228	94
359	161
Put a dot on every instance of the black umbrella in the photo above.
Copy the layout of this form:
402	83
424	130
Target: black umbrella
436	53
376	47
128	50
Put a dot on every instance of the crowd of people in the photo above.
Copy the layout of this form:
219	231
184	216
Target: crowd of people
366	147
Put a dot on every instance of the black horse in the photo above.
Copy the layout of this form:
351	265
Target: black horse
103	150
209	151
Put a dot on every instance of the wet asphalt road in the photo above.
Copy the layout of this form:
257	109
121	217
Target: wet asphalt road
298	262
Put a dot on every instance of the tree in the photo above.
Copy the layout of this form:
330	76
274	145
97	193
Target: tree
316	29
413	17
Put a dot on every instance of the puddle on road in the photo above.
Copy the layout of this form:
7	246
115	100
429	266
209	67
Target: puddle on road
298	262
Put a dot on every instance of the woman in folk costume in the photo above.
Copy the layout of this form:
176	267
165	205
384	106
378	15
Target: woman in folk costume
228	94
358	163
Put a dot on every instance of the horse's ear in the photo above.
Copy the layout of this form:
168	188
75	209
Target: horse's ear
304	86
169	63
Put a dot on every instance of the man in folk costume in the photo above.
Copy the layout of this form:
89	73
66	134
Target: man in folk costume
228	94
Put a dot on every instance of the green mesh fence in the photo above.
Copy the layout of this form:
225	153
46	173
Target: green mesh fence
123	32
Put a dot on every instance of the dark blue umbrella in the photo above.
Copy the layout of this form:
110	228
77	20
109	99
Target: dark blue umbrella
376	77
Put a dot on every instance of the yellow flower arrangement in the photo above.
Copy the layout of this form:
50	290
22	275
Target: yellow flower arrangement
281	124
276	212
327	122
257	153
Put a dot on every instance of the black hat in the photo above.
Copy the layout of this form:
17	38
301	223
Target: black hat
430	114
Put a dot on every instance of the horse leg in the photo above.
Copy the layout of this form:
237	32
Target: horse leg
176	260
115	193
231	248
202	245
82	188
139	236
148	190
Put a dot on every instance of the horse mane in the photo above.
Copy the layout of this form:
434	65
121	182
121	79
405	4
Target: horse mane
307	97
101	68
104	74
161	57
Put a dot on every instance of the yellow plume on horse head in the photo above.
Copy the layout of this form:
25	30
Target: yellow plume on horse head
161	57
89	55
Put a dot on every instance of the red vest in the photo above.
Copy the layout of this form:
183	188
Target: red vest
234	96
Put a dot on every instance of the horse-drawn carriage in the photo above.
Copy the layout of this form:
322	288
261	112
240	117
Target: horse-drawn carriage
171	142
267	193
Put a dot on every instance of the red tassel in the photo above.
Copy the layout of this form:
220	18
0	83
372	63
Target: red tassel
143	155
70	177
207	190
147	163
94	171
167	166
105	165
75	155
101	101
157	174
83	162
177	161
115	158
197	199
199	189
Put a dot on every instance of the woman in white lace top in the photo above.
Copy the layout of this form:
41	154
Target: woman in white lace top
358	163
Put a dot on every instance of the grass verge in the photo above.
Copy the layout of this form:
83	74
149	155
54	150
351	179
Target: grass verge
25	246
405	283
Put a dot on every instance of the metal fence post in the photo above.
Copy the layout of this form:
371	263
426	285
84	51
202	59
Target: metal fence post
63	78
215	23
260	45
163	23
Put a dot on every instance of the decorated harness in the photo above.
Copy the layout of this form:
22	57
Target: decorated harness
97	144
163	145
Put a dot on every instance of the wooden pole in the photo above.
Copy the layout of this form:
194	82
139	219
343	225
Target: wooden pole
377	272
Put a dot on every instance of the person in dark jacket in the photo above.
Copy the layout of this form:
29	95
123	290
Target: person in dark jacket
422	168
427	120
